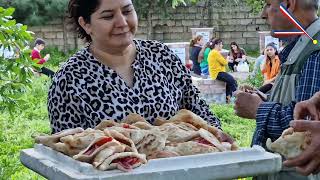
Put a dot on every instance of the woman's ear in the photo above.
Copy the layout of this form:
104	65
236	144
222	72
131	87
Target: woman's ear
85	26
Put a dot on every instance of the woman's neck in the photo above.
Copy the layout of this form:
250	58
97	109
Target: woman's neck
272	57
114	57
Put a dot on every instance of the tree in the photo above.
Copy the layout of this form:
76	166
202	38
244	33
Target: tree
14	73
256	5
39	12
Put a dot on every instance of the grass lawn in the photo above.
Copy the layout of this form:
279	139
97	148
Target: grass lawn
32	118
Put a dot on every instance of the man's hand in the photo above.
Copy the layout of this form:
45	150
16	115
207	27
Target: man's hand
246	104
309	160
223	137
309	108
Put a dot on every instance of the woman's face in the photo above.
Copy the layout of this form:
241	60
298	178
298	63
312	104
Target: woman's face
219	46
234	47
201	42
113	24
270	51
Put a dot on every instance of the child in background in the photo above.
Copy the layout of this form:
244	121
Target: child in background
36	57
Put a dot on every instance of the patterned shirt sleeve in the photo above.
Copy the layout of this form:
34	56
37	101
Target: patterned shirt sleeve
190	98
63	107
272	118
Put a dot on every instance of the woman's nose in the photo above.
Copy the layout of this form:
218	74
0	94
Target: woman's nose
121	20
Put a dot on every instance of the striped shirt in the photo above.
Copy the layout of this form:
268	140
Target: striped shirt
273	118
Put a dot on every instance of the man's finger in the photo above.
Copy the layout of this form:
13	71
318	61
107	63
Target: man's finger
304	109
317	171
313	112
300	111
300	160
309	168
303	125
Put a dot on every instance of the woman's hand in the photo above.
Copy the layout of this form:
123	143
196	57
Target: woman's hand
266	82
244	57
224	137
230	60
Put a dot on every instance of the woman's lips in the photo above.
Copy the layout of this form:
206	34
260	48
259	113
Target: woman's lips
119	34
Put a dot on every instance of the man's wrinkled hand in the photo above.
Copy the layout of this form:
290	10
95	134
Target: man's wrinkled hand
246	105
309	108
309	160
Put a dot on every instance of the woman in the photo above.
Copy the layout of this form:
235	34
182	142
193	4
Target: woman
217	69
196	46
116	75
259	63
236	55
204	63
271	67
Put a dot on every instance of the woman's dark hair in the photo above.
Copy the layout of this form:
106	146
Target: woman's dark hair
274	47
81	8
235	44
216	41
210	44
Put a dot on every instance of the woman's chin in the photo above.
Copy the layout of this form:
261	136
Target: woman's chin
123	41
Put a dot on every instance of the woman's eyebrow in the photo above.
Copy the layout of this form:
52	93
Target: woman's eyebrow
109	10
126	6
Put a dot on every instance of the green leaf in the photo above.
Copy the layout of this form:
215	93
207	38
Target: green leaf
10	23
8	12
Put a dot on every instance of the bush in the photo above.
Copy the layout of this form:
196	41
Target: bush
255	80
18	128
15	72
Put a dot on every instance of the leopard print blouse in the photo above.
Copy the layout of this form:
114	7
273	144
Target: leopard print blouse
84	92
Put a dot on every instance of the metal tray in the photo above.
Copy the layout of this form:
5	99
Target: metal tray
223	165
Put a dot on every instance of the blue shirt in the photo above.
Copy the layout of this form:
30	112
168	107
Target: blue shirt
273	118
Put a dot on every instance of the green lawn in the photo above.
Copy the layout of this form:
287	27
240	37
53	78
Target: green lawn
32	118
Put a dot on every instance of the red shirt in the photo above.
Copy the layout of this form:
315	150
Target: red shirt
35	55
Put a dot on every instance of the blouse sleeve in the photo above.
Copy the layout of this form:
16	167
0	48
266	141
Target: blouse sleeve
64	107
190	94
220	58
